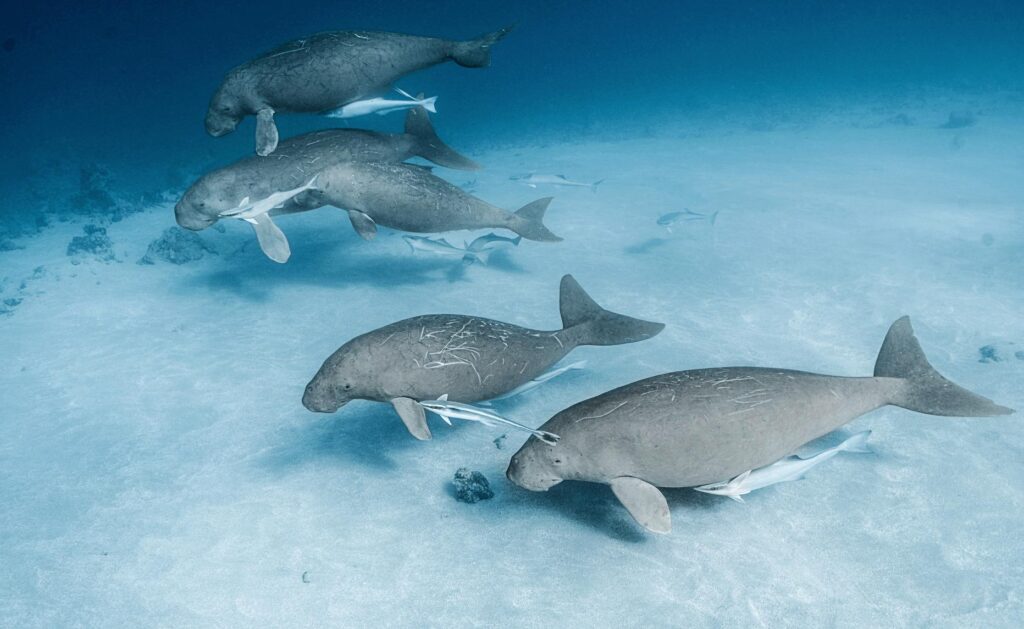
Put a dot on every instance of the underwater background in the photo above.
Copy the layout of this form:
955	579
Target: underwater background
157	468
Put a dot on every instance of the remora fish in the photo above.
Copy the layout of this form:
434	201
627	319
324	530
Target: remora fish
448	410
534	180
272	240
539	380
442	247
686	215
789	468
382	106
493	241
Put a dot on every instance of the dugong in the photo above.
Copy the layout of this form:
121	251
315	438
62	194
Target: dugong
327	70
693	428
409	198
466	358
217	193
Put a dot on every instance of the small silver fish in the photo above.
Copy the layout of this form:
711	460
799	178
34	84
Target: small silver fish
479	250
448	411
787	469
533	180
442	247
251	209
493	241
687	216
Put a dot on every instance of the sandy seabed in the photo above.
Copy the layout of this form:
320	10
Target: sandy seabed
158	468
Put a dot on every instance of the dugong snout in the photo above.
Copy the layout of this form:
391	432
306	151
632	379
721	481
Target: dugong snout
531	470
221	120
319	401
188	217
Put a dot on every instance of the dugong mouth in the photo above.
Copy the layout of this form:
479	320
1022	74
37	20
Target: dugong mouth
535	483
310	401
218	124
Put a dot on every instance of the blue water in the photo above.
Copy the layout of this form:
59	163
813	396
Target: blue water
157	468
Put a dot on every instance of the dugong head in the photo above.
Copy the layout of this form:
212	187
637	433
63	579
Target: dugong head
348	374
539	466
226	109
204	202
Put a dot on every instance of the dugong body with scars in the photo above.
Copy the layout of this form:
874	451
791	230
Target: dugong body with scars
218	193
466	358
327	70
693	428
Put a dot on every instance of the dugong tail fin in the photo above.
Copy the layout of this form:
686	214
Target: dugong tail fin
476	53
528	221
925	390
595	325
429	146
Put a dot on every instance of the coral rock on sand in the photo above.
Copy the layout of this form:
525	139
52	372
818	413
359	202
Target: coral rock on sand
471	486
176	246
998	352
95	243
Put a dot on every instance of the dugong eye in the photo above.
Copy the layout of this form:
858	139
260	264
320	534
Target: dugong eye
558	461
348	386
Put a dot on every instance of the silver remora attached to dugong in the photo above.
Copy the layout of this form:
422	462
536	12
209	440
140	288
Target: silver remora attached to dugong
466	358
693	428
282	176
326	71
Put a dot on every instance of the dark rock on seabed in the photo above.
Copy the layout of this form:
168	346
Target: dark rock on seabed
471	486
95	243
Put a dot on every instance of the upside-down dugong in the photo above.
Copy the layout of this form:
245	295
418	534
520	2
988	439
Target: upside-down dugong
410	198
692	428
468	358
327	70
297	159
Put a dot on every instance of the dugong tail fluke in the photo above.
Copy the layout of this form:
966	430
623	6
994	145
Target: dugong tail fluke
923	389
476	53
528	221
429	146
594	324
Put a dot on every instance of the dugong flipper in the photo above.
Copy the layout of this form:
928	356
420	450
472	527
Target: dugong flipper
467	358
272	240
266	132
413	416
645	503
693	428
363	224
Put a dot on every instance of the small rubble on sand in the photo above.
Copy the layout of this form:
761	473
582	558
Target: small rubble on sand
998	352
471	486
176	246
94	244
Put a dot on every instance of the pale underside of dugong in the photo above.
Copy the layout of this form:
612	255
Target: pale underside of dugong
692	428
298	159
328	70
468	358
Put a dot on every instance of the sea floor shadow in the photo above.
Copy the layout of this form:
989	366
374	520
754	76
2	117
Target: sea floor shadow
594	505
248	274
647	246
367	434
